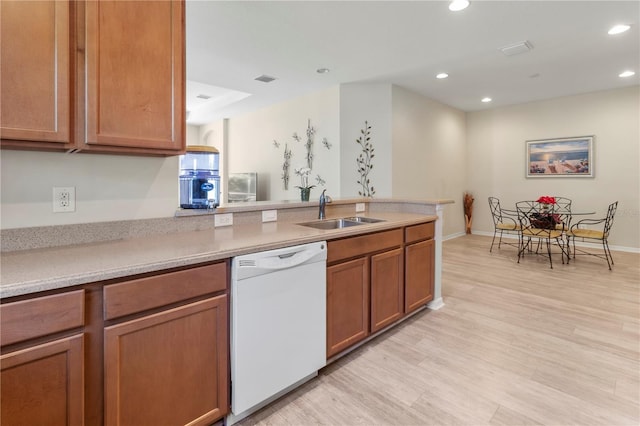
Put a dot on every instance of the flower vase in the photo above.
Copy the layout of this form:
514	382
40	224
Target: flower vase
304	194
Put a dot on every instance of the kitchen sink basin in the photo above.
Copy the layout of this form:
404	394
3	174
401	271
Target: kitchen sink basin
363	219
340	223
331	223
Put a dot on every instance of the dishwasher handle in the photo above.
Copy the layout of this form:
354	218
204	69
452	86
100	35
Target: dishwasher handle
290	259
250	265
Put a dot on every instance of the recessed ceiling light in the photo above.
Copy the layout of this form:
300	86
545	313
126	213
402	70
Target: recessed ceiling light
626	74
457	5
323	70
485	100
442	75
619	29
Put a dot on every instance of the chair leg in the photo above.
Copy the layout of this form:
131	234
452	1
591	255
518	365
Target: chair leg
494	238
607	253
500	240
549	251
520	247
560	242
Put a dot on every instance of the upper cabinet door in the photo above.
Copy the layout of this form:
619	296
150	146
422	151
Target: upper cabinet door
35	73
135	75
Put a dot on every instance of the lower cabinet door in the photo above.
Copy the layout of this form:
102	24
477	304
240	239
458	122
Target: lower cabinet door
43	385
347	304
419	270
169	368
387	292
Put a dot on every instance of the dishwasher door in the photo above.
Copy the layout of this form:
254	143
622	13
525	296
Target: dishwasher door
278	323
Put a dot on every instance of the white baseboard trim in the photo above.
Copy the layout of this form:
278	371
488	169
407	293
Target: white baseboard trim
578	243
452	236
436	304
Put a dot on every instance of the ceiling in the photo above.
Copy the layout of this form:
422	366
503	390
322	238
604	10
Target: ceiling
406	43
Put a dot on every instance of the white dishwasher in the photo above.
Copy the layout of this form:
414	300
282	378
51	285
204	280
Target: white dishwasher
278	324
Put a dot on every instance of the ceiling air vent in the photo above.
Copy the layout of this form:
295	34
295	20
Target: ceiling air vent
265	78
517	48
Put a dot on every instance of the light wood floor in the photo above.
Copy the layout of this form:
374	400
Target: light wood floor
514	344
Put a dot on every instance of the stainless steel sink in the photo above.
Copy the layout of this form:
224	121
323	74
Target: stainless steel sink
340	223
331	223
364	219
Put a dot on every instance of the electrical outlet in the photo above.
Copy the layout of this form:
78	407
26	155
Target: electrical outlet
360	207
64	199
223	219
269	215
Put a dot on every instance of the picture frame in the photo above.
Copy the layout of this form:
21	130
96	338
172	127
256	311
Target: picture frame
561	157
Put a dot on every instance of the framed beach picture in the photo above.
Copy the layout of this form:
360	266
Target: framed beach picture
565	157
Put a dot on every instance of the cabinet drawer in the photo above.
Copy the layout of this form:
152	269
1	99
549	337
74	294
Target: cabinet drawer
28	319
423	231
363	244
152	292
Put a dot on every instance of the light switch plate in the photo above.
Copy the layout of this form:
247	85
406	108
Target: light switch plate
269	215
223	219
360	207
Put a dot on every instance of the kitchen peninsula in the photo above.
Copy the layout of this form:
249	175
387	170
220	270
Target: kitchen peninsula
127	290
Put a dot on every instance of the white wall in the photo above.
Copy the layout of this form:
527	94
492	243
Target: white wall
496	156
360	103
251	149
108	187
429	153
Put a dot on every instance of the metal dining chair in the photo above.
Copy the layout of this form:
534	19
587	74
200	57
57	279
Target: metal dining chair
539	224
563	206
584	230
503	222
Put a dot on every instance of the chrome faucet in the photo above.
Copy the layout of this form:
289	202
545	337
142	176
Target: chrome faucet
324	199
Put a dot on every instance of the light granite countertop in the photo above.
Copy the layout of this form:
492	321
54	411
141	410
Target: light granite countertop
30	271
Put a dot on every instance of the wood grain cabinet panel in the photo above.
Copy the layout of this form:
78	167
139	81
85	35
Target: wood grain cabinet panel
41	316
169	368
43	385
386	280
159	290
422	231
419	270
135	75
347	304
387	288
35	73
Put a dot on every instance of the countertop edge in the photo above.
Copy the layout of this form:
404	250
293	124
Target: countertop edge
292	235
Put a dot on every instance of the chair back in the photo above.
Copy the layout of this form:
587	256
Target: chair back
532	215
496	212
562	205
608	222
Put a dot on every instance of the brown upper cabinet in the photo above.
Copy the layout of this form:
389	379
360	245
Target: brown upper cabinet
113	73
36	66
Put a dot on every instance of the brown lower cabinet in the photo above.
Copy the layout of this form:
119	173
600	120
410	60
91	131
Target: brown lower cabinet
347	304
151	350
169	367
363	294
419	267
387	292
374	280
42	377
43	384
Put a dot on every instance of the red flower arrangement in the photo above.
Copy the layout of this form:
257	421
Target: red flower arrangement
545	199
